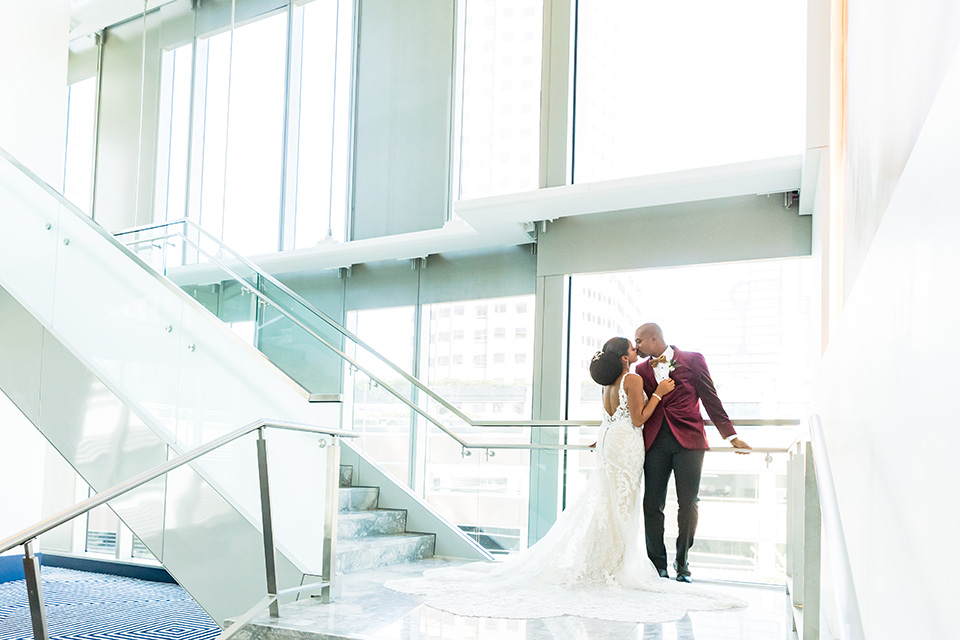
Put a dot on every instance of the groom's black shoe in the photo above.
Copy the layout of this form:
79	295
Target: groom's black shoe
663	573
683	573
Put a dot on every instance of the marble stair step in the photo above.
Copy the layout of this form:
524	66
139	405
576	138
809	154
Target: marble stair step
346	475
380	551
358	524
358	498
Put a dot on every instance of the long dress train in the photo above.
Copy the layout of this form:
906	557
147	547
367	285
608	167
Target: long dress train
592	562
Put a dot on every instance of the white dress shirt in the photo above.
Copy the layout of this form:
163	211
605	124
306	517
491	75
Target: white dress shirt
662	369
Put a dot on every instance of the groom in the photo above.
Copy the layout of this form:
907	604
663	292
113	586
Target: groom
676	441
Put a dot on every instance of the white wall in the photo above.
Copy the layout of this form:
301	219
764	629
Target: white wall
33	116
897	54
886	393
33	82
21	471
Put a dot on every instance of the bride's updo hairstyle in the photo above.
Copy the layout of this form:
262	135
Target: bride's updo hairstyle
606	365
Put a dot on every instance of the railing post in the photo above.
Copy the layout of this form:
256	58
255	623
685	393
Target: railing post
31	572
269	552
331	502
811	550
796	527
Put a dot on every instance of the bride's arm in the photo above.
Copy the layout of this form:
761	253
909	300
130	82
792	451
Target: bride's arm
640	412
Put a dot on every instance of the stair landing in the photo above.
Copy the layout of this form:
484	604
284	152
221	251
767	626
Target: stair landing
369	611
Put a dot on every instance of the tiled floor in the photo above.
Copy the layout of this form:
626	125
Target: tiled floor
369	611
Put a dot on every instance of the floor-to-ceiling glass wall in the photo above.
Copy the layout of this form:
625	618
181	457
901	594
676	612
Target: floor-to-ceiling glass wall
242	128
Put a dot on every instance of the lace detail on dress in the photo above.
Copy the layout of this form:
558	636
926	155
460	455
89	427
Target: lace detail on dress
592	562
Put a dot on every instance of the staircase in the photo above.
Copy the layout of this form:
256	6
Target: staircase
368	536
122	370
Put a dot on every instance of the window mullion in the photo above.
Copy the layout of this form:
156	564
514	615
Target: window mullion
291	128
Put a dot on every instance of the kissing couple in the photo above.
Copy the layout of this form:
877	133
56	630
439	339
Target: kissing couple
591	562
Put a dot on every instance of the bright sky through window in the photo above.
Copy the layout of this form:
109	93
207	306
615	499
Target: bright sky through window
668	86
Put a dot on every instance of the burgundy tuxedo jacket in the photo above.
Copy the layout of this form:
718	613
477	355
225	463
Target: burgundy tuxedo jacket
680	408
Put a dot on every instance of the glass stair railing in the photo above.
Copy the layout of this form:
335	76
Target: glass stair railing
410	430
121	370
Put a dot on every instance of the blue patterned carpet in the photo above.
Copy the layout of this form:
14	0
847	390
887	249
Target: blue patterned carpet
94	606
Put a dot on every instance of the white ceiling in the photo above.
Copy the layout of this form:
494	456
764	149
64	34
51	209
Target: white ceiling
89	16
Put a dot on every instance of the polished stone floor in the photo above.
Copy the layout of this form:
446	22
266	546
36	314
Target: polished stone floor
369	611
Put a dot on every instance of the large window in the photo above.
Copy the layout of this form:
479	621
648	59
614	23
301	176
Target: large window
478	354
263	122
324	119
78	169
242	128
500	127
751	320
667	86
173	138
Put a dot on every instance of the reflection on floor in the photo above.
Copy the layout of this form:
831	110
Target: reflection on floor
368	611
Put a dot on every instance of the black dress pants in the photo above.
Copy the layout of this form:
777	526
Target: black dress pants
664	457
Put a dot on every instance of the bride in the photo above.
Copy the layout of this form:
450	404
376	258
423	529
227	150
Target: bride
592	562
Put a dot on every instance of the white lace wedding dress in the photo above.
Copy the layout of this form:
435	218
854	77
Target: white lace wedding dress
592	562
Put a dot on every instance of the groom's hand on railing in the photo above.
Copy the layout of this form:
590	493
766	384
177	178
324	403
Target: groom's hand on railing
741	445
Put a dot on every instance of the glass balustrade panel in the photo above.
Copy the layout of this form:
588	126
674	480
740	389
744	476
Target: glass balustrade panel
741	532
503	488
300	342
383	421
30	217
579	465
121	318
186	375
452	481
497	386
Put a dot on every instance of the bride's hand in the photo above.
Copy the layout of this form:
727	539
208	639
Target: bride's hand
665	387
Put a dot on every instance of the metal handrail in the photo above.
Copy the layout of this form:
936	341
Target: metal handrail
31	565
116	491
354	363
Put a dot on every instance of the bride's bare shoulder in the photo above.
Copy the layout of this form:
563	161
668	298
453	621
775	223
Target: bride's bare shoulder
632	380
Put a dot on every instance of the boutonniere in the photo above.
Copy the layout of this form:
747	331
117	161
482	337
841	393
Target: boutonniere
673	364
